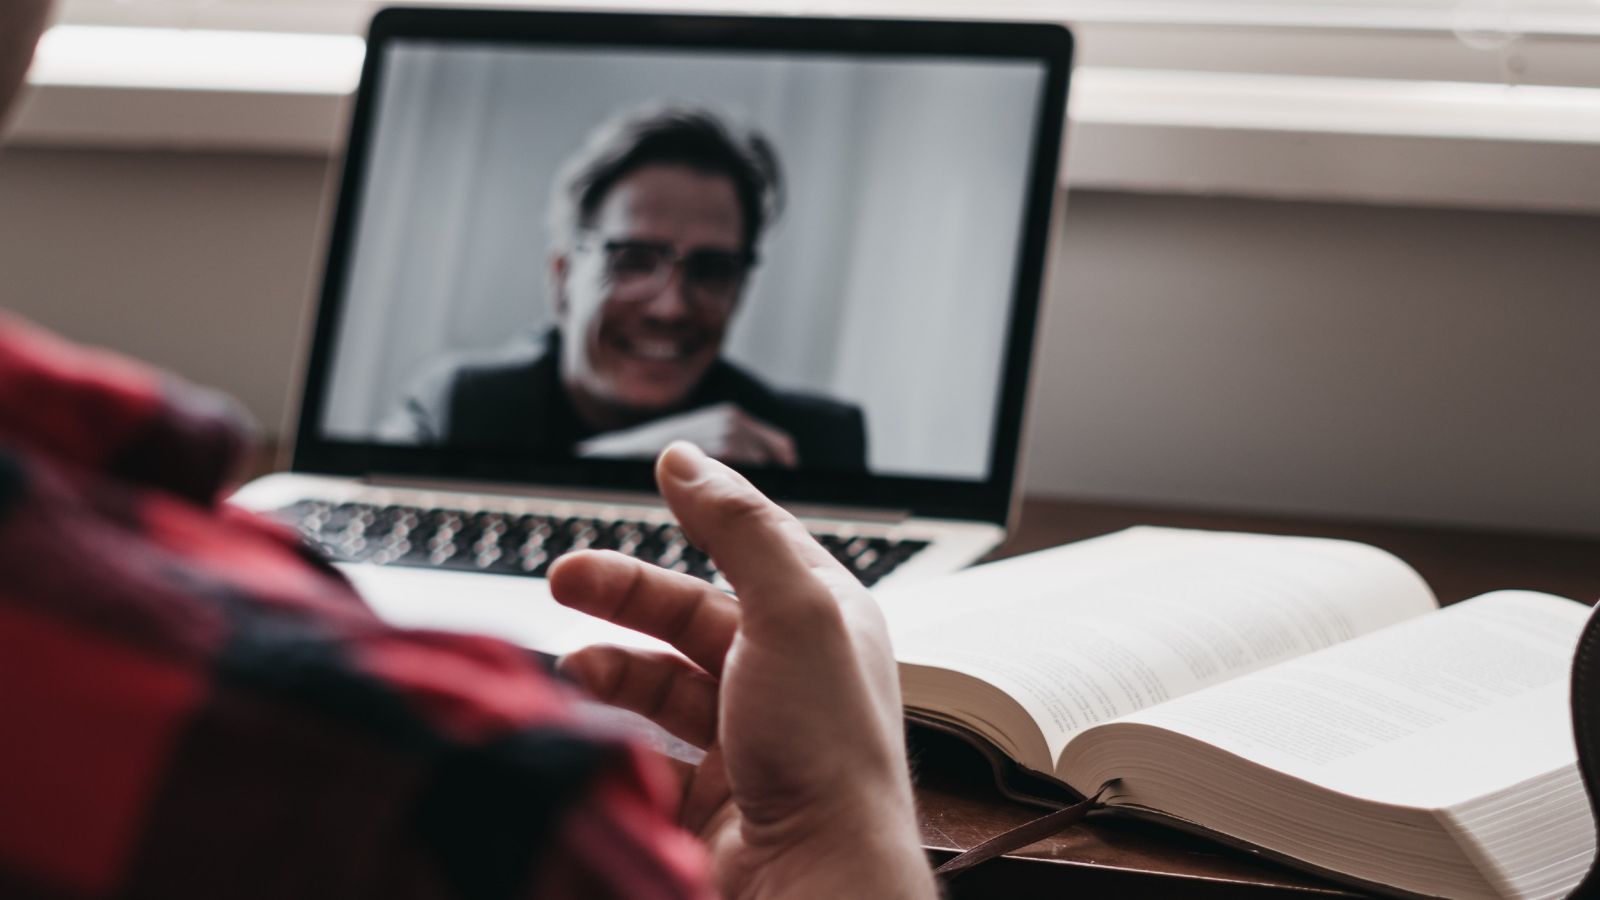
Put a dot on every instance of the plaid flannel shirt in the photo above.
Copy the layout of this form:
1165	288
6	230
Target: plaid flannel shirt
192	705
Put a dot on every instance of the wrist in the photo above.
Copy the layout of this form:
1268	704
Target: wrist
880	869
874	853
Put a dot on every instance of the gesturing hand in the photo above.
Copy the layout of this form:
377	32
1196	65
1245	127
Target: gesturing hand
723	430
804	791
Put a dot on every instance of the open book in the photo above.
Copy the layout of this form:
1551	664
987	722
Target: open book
1301	696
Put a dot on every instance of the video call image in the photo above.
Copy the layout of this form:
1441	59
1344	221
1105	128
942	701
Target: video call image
791	261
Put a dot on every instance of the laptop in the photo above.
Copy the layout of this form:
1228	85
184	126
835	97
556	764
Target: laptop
814	247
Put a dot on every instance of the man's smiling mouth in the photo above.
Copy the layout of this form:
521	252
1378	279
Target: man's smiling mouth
658	349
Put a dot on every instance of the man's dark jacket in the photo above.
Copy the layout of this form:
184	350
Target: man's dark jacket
515	399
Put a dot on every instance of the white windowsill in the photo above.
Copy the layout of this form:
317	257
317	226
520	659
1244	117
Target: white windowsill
1377	140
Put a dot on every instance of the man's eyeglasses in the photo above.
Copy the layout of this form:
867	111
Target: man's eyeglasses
640	270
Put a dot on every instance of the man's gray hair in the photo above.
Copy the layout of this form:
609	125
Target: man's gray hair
693	137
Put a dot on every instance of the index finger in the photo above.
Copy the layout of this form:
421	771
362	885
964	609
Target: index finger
682	610
764	551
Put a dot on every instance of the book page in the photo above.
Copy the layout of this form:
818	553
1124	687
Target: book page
1098	629
1430	713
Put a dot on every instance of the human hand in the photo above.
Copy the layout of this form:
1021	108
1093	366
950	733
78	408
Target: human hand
791	689
723	431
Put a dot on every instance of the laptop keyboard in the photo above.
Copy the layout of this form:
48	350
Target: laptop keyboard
511	544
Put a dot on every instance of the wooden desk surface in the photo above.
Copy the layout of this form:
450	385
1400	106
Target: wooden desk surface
960	807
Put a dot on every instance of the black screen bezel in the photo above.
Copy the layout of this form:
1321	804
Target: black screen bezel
987	500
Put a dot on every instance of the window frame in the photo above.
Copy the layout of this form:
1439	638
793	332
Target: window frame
1402	133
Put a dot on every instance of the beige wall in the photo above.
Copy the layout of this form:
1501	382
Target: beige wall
1350	360
1419	364
198	263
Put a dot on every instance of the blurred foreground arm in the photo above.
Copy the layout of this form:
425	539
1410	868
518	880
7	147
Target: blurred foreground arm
196	706
792	690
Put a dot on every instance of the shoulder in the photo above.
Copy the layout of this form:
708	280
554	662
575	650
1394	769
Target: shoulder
746	389
464	393
485	370
826	410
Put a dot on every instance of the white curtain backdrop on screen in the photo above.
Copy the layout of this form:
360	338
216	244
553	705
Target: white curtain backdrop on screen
885	282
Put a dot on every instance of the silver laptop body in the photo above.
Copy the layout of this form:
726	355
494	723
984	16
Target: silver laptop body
505	336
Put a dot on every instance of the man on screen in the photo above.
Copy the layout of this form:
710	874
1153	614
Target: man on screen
657	223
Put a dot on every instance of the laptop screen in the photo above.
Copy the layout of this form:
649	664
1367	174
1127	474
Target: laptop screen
805	259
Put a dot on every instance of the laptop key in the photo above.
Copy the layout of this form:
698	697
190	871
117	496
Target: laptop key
527	544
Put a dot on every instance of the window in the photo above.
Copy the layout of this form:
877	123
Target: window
1550	42
1409	97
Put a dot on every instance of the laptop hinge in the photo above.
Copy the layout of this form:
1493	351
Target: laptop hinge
881	516
540	491
632	498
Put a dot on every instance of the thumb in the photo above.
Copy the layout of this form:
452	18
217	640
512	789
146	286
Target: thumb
769	557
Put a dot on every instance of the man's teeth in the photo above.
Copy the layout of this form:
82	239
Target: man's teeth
661	351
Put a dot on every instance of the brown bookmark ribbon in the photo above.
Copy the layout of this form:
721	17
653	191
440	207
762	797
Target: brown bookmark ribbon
1022	835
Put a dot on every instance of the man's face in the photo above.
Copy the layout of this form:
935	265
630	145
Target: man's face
638	337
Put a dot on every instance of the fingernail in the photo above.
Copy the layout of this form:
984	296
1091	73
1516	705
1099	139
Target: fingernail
683	462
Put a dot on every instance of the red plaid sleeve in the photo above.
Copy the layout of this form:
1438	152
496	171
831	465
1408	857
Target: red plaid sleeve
192	706
90	408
